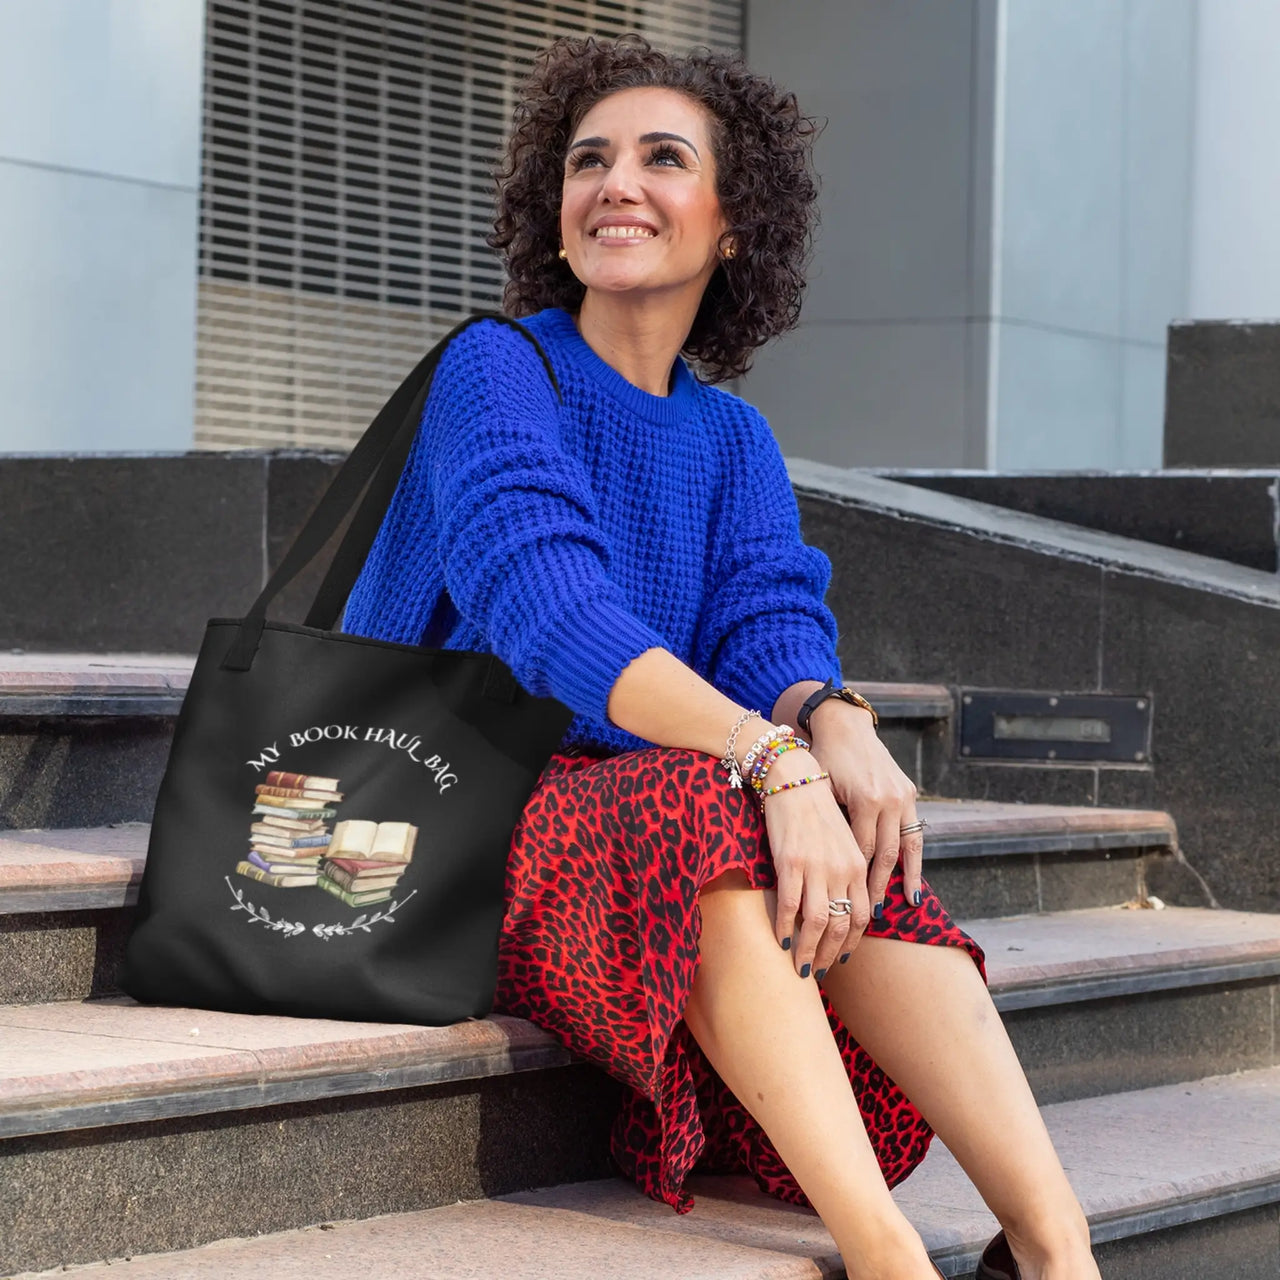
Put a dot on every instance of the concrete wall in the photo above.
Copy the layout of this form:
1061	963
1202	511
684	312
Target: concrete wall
99	205
1091	234
1235	252
1018	196
888	365
1006	186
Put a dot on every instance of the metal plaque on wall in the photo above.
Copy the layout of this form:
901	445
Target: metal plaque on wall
1012	724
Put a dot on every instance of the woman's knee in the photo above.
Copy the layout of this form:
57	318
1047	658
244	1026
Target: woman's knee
730	902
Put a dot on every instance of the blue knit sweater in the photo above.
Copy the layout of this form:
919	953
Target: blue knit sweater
569	539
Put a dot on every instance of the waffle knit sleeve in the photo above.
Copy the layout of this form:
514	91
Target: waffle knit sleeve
515	524
765	624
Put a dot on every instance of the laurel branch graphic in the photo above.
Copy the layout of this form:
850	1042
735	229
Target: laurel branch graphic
291	928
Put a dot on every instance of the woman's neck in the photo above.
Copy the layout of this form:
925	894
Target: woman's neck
640	342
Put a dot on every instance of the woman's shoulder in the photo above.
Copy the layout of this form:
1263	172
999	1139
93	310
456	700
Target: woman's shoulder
738	421
492	356
491	339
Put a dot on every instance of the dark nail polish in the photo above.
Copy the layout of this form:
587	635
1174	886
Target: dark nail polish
804	970
877	911
786	943
845	957
822	973
916	897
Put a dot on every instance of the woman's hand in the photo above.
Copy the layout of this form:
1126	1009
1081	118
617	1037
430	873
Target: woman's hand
877	796
816	859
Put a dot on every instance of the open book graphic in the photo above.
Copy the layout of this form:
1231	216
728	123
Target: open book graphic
377	841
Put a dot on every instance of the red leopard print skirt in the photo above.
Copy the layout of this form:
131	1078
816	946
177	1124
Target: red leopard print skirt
599	947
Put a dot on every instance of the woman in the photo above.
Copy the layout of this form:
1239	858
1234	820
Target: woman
762	964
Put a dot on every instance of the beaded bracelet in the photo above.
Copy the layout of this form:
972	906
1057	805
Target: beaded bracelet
762	752
772	735
768	749
761	756
769	757
796	782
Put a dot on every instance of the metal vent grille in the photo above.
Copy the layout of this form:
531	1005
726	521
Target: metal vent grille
347	188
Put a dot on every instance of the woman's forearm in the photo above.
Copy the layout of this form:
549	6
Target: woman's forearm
658	698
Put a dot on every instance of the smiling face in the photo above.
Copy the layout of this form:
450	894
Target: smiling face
642	158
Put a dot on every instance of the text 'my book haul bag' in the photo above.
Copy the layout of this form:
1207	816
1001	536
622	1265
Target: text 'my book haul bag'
330	836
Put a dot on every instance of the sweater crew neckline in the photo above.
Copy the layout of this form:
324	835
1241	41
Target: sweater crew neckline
666	410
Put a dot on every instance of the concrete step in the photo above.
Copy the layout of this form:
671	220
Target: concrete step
1096	1001
1107	999
63	927
1036	851
98	1063
65	893
84	684
72	868
1178	1182
93	684
987	858
172	1126
84	737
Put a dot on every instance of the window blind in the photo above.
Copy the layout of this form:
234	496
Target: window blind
347	187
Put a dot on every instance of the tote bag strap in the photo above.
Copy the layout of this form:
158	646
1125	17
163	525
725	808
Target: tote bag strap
378	456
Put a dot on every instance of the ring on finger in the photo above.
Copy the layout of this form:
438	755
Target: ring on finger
918	825
840	906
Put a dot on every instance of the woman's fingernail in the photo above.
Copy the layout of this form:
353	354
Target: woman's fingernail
877	911
804	970
786	943
845	957
916	897
822	973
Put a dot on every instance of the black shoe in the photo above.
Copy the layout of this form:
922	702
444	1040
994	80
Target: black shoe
997	1261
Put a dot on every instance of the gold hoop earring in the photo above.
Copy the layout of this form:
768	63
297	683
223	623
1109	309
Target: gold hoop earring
730	251
564	253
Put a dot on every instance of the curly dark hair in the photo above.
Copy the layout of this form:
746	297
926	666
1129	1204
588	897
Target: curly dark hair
767	191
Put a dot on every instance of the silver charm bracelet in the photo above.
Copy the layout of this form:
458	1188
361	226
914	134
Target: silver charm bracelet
730	761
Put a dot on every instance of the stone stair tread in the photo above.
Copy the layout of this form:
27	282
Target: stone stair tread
907	700
172	670
102	862
467	1241
78	679
73	1064
40	868
948	817
1166	1155
44	685
69	1064
1139	1161
901	687
63	672
1096	941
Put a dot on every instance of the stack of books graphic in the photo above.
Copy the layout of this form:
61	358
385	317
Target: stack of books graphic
290	831
364	860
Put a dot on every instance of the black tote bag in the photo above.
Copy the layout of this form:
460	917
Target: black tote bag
331	832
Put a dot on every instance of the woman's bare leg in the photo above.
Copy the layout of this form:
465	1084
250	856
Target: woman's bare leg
764	1030
926	1017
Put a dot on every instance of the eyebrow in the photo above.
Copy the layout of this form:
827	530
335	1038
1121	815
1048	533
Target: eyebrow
644	137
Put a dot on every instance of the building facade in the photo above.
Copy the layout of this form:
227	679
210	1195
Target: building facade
237	223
